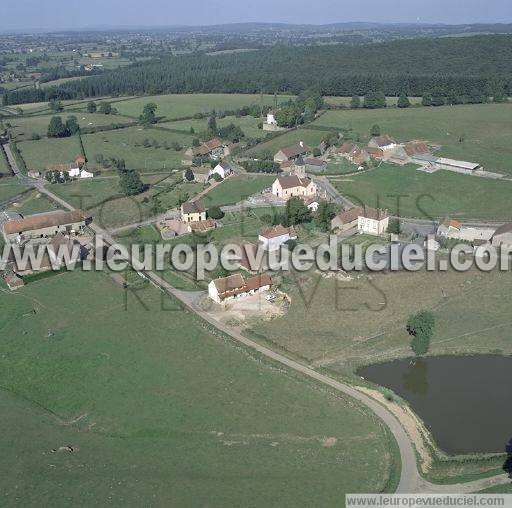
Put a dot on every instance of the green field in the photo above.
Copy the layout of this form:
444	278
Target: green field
485	129
248	124
41	153
10	187
237	188
311	137
34	202
345	101
158	410
128	144
182	105
4	166
429	195
101	196
24	127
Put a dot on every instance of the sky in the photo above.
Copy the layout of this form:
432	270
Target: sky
66	14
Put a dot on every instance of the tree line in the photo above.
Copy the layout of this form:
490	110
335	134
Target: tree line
462	66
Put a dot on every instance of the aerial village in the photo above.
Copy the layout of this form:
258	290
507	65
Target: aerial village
299	187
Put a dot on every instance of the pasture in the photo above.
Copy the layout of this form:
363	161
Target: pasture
129	144
175	411
424	195
175	106
311	137
248	124
237	188
477	133
43	152
25	127
9	188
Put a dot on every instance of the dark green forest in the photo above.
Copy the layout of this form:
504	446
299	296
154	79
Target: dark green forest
460	65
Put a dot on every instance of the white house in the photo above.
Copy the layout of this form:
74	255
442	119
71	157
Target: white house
222	169
80	173
229	288
431	243
271	119
293	185
373	221
273	238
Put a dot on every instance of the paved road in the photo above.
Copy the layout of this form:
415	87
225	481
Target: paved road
410	478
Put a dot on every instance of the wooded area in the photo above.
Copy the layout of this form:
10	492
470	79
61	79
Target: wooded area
466	66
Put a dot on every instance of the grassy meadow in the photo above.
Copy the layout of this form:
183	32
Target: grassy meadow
311	137
477	133
248	124
43	152
173	106
128	144
10	187
429	195
25	127
157	408
237	188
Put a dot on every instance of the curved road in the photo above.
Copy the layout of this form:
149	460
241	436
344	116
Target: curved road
410	478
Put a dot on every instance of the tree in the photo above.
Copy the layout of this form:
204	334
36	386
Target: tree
324	214
189	175
196	142
375	131
437	100
56	129
394	226
156	205
288	116
105	108
130	183
355	102
72	125
214	212
55	105
148	114
374	100
91	107
498	93
296	212
426	100
212	125
421	327
403	101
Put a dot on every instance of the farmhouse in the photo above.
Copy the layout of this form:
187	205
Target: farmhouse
224	289
449	228
43	225
373	221
73	169
273	238
383	142
292	152
358	156
414	148
223	169
503	236
375	153
193	211
315	165
214	149
201	226
345	149
346	220
292	185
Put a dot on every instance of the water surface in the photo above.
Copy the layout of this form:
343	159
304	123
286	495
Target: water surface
465	401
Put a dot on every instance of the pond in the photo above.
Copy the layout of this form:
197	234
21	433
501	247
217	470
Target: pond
465	401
